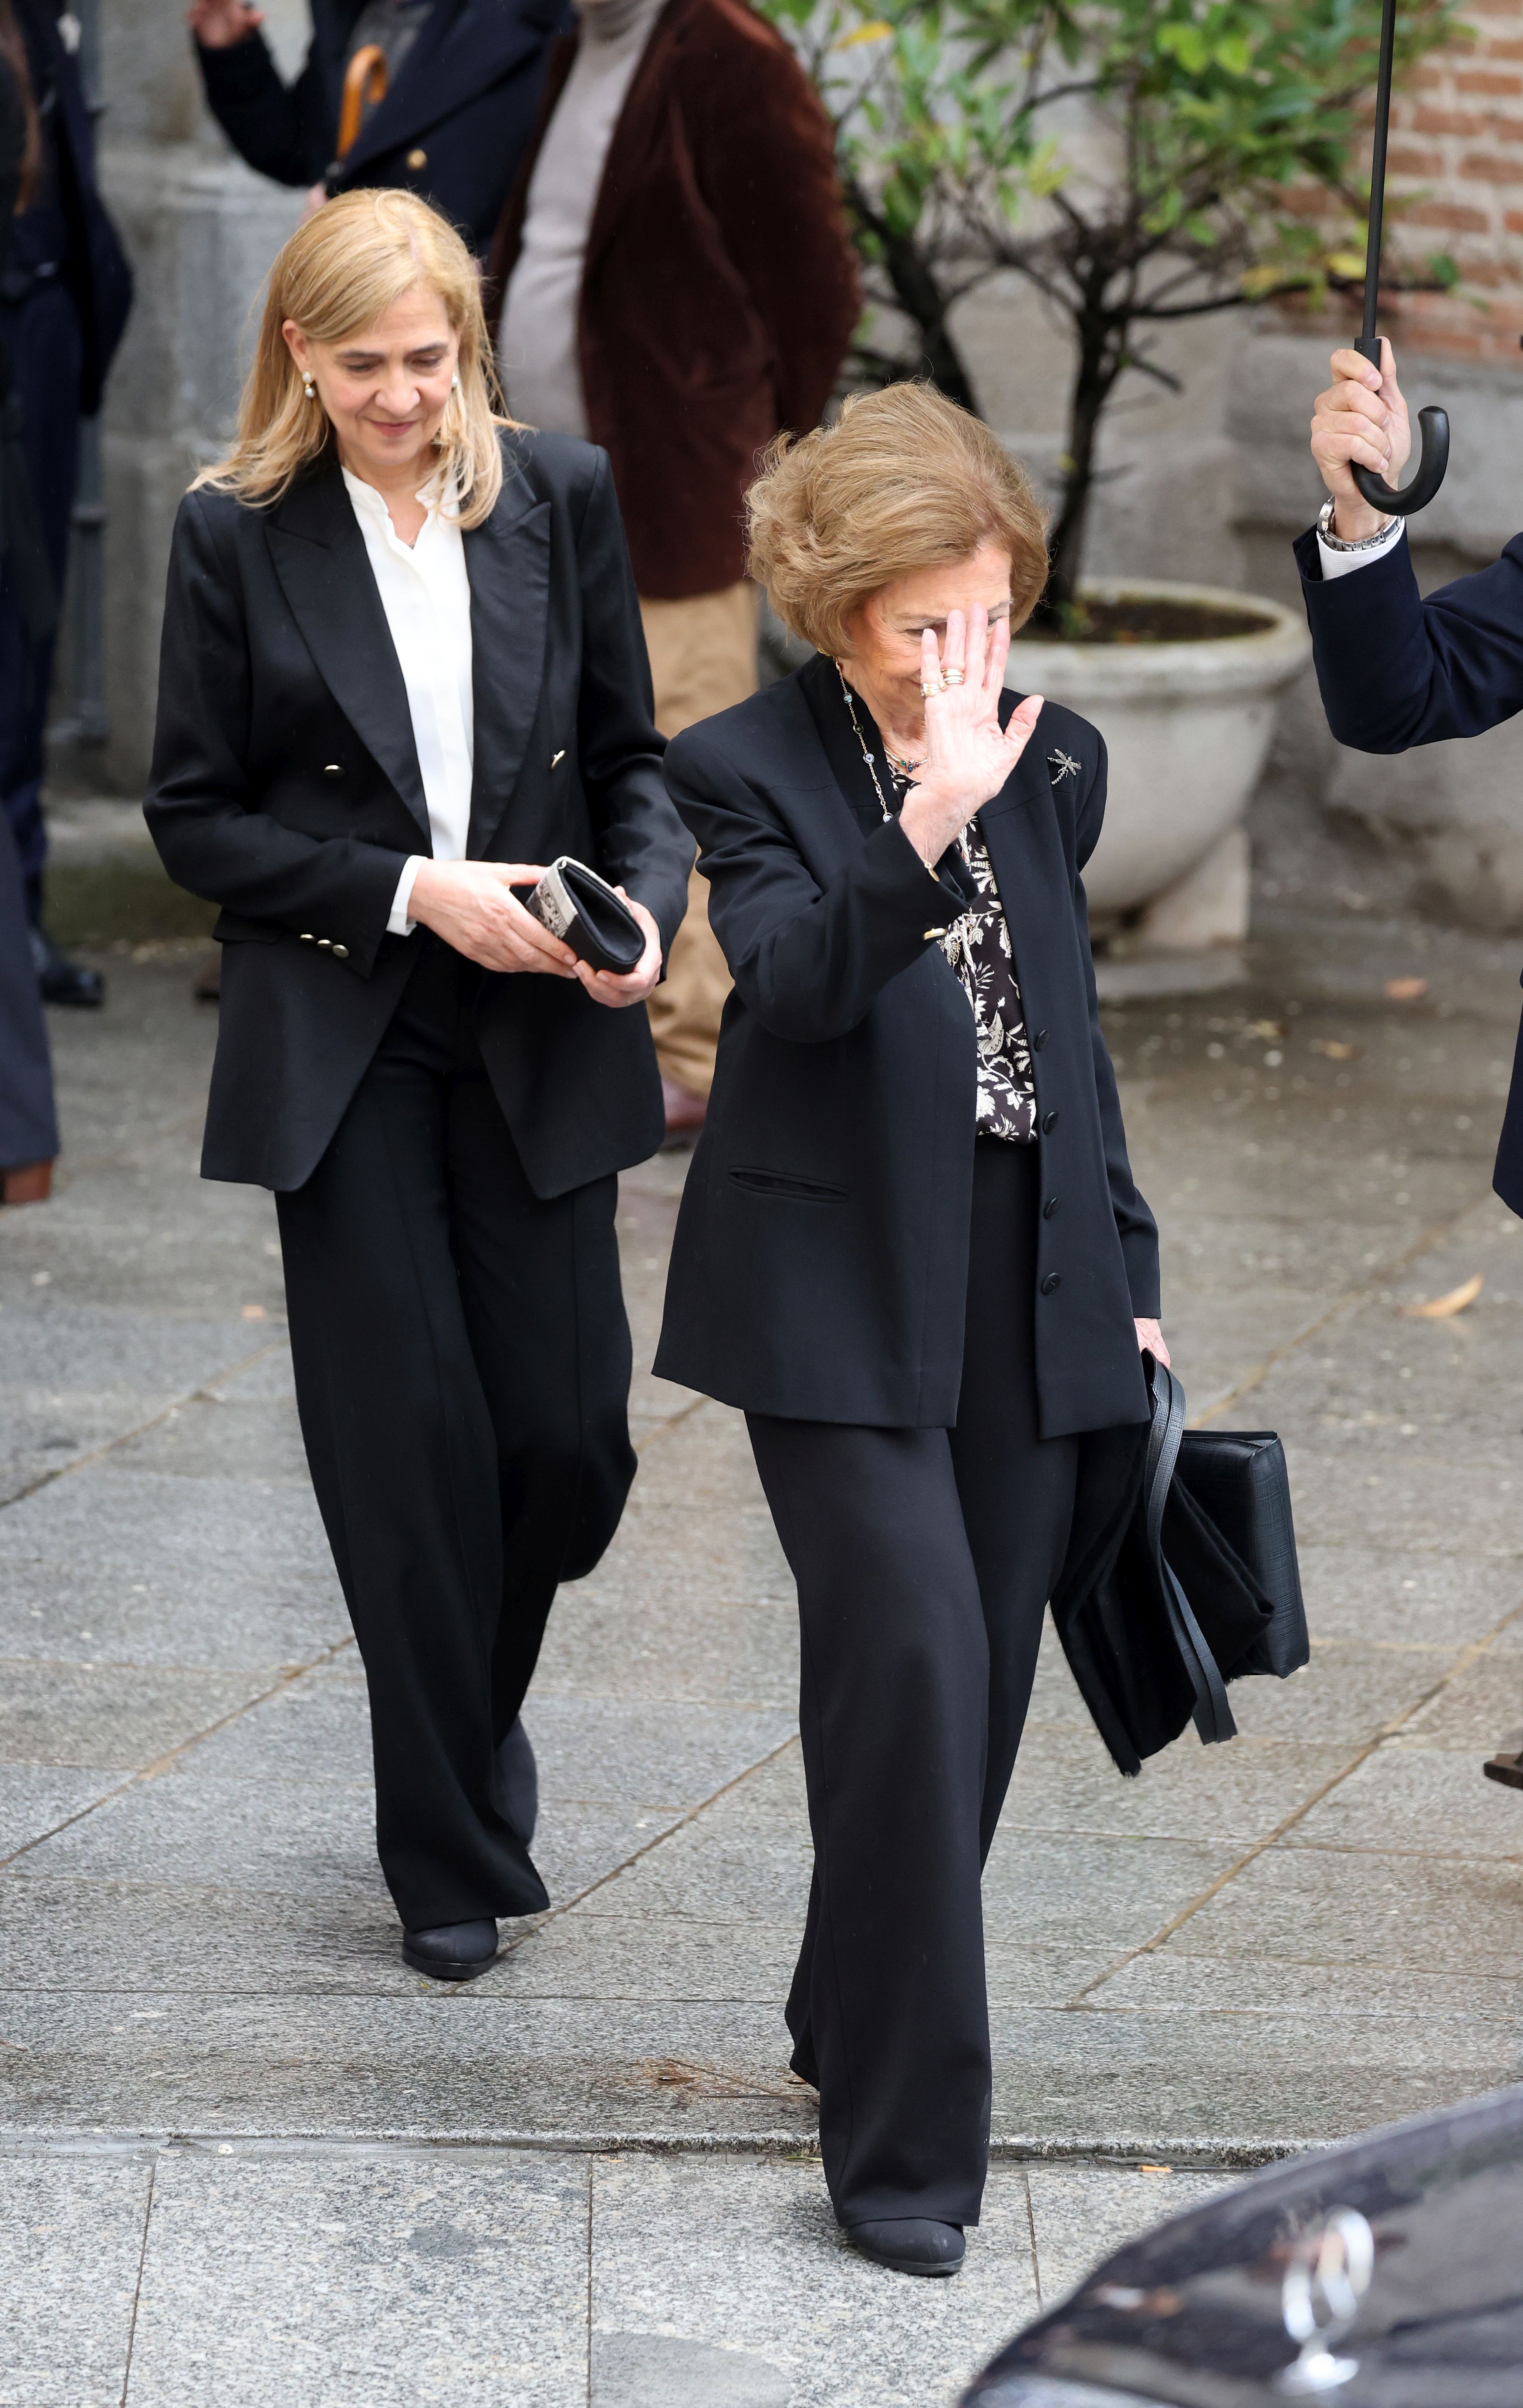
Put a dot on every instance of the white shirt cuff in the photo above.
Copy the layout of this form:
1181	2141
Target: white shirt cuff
1343	564
399	924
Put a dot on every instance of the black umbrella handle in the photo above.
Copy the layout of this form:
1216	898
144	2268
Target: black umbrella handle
1433	424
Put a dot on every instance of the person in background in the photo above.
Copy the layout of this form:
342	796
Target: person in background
673	278
402	671
443	96
64	294
909	1247
28	1130
1396	669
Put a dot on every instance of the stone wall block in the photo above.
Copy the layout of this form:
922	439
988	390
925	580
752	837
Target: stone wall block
201	231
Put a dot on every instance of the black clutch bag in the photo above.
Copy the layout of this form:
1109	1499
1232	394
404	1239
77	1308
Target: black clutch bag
583	910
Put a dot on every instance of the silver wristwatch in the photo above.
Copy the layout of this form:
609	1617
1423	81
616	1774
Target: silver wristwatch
1337	542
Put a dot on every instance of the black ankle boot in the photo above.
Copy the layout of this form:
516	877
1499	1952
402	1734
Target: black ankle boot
911	2244
451	1952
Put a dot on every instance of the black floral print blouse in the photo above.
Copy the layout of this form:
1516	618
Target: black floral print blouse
978	948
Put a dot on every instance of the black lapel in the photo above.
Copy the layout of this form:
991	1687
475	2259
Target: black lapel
325	571
508	562
465	47
1025	848
821	684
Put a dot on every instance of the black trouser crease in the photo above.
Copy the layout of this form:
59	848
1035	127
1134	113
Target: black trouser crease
463	1361
923	1559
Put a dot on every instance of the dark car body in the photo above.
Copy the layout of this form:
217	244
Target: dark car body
1385	2273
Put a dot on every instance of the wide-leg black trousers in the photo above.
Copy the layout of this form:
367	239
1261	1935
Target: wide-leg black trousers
463	1365
924	1559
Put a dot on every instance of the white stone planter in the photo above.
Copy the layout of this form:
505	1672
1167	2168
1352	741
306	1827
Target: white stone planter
1187	726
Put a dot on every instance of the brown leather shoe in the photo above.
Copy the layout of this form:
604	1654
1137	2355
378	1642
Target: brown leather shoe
30	1183
685	1110
1508	1770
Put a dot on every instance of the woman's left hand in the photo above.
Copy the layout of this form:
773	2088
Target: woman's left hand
1150	1340
636	984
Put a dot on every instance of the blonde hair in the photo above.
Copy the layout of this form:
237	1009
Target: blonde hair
904	480
338	274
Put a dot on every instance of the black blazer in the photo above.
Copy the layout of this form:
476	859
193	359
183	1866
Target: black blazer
822	1257
285	786
453	127
1396	671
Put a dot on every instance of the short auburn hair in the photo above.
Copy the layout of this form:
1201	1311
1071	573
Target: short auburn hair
904	480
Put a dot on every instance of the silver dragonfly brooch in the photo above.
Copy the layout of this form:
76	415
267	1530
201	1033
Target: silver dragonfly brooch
1063	767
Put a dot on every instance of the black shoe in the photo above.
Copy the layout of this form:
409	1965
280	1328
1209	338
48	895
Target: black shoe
61	980
1508	1770
451	1952
911	2244
515	1783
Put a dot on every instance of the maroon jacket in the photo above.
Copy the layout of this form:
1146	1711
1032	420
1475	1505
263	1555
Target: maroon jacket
721	289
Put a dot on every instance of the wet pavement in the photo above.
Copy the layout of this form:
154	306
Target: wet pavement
297	2172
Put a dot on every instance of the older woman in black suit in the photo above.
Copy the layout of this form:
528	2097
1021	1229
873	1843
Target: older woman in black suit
910	1245
403	669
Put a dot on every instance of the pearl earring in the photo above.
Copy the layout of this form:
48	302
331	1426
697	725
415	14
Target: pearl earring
308	386
454	381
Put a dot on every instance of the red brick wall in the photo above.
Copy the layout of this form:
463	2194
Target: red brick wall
1456	146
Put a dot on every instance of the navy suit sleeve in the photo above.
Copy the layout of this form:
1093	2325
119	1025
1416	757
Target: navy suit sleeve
1135	1225
807	961
278	128
1396	670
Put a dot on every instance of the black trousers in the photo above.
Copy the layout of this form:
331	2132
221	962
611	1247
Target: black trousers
924	1559
42	342
463	1365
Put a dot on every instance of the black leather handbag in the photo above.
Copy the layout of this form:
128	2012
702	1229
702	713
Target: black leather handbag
1220	1499
586	913
1184	1578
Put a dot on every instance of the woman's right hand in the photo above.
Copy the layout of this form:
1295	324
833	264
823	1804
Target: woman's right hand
472	906
218	25
1361	417
968	756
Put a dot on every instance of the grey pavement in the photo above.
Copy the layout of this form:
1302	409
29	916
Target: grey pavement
249	2157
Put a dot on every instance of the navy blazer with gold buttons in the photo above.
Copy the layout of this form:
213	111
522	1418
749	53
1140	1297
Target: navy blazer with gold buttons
821	1266
285	787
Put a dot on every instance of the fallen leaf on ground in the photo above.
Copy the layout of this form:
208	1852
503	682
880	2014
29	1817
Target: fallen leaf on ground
256	1312
1440	1307
1266	1028
1405	990
1335	1049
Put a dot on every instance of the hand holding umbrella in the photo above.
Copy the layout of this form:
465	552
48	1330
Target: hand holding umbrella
1432	422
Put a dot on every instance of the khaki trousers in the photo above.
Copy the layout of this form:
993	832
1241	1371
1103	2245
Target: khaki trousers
702	658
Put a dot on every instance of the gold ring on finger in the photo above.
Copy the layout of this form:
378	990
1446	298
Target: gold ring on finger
955	677
927	691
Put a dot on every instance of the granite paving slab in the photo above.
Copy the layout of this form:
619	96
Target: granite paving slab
405	2283
71	2244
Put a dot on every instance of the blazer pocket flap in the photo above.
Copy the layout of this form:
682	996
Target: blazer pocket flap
786	1184
233	928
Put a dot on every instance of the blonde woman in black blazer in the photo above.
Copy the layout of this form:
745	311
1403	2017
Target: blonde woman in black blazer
910	1245
403	670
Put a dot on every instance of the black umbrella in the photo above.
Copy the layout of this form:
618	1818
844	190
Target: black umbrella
1434	423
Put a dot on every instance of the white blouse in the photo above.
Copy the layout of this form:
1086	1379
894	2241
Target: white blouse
426	596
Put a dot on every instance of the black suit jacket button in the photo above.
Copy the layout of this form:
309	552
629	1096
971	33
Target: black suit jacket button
1051	1282
1049	1208
1050	1122
341	952
1039	1040
333	768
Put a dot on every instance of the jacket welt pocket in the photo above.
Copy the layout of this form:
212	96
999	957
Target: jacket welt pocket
783	1182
